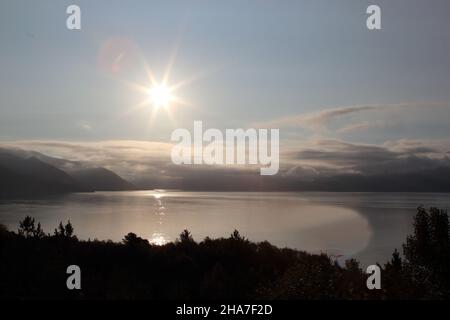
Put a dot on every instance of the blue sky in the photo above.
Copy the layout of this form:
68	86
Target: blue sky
258	61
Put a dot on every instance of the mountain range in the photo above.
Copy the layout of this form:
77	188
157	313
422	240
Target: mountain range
28	173
24	174
436	180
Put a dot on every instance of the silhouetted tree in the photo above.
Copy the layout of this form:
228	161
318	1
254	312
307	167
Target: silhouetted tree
217	268
352	265
396	283
132	240
69	229
427	252
64	231
236	236
396	261
186	237
28	229
60	231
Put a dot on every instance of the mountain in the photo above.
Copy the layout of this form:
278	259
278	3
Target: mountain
425	180
27	173
96	178
24	171
101	179
60	163
431	180
31	176
15	184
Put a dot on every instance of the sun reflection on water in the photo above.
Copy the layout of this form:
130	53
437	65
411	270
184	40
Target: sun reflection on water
158	194
158	239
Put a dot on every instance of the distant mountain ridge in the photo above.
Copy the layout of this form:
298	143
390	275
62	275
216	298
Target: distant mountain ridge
102	179
27	173
436	180
24	174
14	184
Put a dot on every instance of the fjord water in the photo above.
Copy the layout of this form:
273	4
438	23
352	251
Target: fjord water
367	226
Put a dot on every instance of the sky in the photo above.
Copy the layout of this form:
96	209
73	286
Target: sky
310	68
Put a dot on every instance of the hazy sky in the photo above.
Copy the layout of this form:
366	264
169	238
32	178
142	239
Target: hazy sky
257	62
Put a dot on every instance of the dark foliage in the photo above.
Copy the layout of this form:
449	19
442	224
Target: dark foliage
427	253
33	265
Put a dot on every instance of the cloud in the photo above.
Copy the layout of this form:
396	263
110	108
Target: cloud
312	120
361	127
148	162
319	120
127	157
439	146
393	156
85	126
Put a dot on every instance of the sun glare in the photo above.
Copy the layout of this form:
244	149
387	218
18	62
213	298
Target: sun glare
160	96
159	93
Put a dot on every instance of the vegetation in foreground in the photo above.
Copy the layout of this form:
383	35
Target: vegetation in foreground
33	266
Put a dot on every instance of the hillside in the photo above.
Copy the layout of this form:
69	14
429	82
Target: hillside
27	173
31	176
101	179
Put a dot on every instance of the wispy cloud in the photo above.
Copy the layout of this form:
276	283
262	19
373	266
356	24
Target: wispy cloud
84	126
320	120
361	126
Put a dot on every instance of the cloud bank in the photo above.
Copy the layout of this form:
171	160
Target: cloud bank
148	163
302	158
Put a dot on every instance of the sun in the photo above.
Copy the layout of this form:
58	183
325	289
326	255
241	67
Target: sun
160	95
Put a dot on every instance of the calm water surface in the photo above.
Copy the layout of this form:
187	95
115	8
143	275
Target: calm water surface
367	226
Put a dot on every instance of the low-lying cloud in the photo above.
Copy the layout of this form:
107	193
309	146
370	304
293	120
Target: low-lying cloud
148	163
